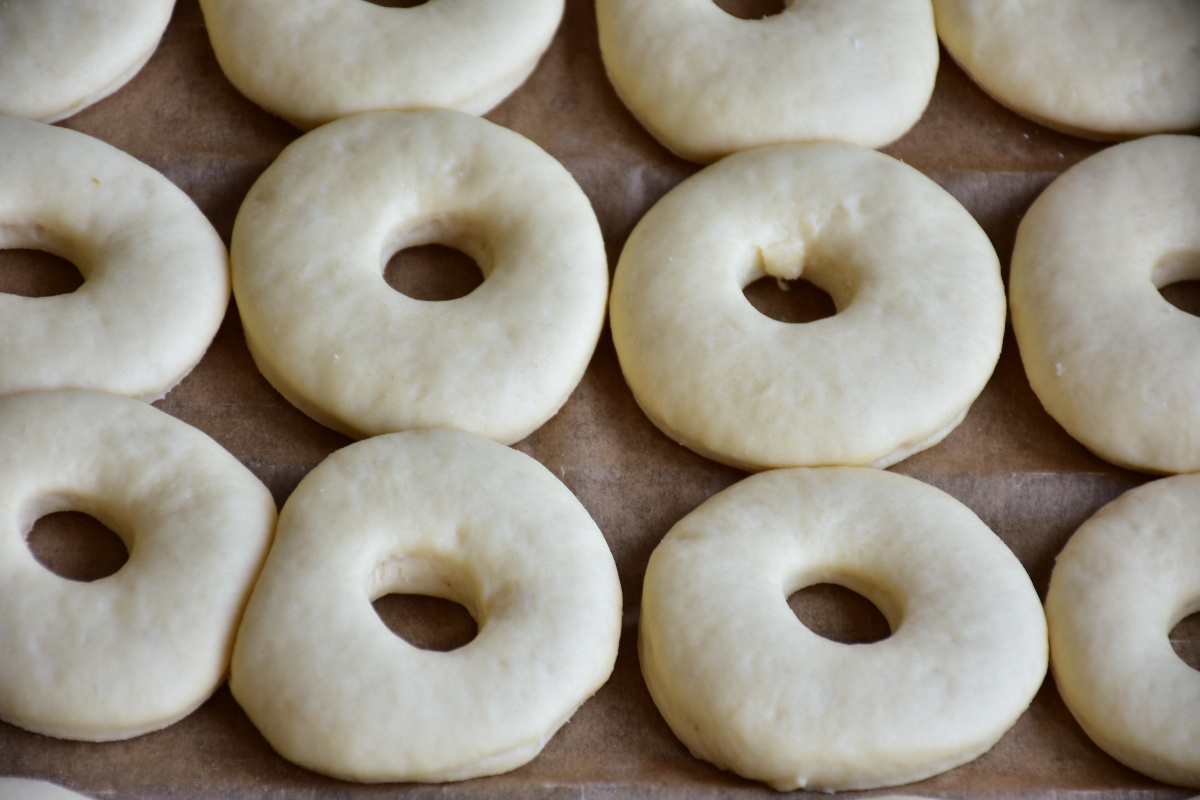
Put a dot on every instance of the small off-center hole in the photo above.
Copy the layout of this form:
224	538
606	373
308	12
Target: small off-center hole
790	301
36	273
398	3
1185	639
1184	295
751	9
840	614
432	272
430	623
76	546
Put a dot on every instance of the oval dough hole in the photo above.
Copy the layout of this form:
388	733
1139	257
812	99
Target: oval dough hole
432	272
839	614
398	3
1184	295
1185	638
36	273
751	9
76	546
430	623
790	301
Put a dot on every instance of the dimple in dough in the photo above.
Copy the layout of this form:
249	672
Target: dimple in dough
745	685
914	279
142	648
707	84
156	275
57	57
312	61
441	513
1103	69
314	233
1123	581
1108	356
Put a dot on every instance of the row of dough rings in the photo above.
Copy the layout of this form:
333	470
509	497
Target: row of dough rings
706	84
915	280
1123	581
60	56
142	648
1105	353
313	235
156	274
748	687
315	61
1040	59
433	512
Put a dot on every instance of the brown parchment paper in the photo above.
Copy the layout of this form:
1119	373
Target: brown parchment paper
1008	461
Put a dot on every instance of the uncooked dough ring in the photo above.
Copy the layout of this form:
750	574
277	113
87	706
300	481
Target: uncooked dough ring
312	61
309	248
142	648
1107	355
33	789
57	57
156	274
1104	69
441	513
747	686
916	283
1123	581
707	84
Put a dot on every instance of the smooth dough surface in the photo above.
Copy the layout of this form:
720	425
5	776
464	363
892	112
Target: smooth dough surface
440	513
746	685
915	281
1123	581
706	83
142	648
156	274
57	57
315	232
1108	356
1104	69
32	789
312	61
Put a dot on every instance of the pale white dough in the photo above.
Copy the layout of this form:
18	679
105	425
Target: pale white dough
57	57
441	513
315	232
156	274
32	789
1110	359
915	281
142	648
1104	69
312	61
744	684
1124	580
707	84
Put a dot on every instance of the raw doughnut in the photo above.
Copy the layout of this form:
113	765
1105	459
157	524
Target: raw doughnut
744	684
309	248
30	789
156	274
57	57
441	513
1106	354
915	281
1104	69
142	648
707	84
1124	580
312	61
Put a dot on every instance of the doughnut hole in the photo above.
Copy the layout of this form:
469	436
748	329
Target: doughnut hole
838	613
440	261
1185	638
76	546
752	9
1177	278
36	273
792	301
426	601
398	3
